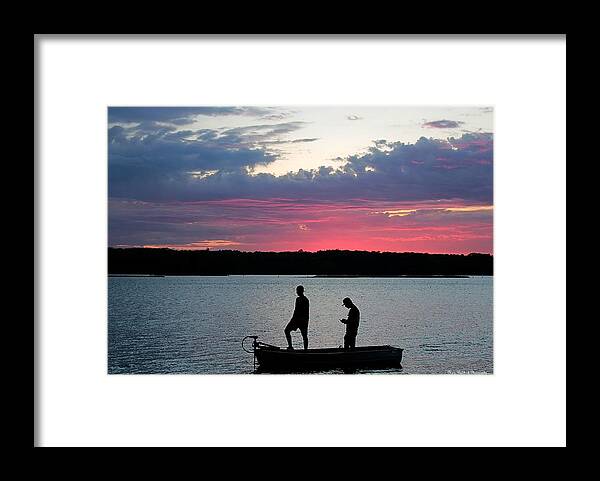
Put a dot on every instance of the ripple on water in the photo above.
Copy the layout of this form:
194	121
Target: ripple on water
194	325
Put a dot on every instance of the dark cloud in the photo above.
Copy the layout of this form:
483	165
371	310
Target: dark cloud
257	134
160	167
177	115
295	141
151	157
278	115
139	160
443	124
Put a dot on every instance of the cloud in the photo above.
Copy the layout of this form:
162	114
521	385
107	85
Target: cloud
195	189
443	124
177	115
279	115
204	244
191	166
258	134
295	141
138	159
435	210
145	156
290	224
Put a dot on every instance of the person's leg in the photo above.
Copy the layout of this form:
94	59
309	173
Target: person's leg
288	336
346	341
304	332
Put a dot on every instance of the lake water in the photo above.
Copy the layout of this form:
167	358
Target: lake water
194	325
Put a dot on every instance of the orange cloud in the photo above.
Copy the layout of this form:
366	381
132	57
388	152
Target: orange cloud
407	212
204	244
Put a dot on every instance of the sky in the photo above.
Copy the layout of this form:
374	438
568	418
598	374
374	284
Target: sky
399	179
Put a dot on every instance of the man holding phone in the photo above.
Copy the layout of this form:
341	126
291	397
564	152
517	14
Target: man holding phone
352	323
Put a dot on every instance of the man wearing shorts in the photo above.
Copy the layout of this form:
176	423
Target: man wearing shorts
299	319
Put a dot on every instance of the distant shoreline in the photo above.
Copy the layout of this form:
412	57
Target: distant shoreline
136	275
317	276
411	276
332	263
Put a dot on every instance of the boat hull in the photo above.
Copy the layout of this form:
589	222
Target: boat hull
273	359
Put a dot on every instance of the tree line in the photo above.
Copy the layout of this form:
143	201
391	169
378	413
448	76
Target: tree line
149	261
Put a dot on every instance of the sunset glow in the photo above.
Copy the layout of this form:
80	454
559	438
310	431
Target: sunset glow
285	179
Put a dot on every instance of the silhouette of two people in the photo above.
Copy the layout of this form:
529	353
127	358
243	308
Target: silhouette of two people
351	322
299	319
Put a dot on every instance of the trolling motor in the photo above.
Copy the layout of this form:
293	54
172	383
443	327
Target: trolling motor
254	343
254	346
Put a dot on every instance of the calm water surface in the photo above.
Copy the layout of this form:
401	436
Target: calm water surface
194	325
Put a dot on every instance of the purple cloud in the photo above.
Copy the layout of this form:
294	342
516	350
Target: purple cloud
204	165
443	124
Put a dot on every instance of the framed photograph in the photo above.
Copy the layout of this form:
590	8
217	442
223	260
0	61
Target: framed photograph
228	229
260	223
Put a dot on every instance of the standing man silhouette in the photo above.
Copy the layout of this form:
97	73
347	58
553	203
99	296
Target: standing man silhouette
299	319
351	324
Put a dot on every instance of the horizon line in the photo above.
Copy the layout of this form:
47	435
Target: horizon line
122	247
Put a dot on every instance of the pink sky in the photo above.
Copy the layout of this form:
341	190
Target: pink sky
284	179
289	225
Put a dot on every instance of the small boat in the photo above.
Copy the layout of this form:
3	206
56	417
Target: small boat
275	359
